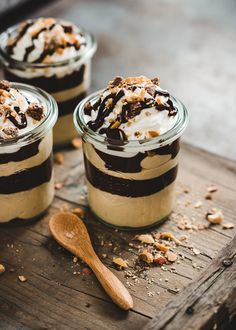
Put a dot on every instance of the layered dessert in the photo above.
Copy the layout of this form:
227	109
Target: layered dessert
26	181
54	55
131	151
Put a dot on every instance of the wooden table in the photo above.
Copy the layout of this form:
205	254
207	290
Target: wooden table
56	296
193	53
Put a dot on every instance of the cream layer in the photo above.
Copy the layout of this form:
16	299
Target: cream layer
26	204
131	211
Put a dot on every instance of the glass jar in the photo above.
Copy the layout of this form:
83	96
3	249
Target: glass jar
67	81
131	183
26	165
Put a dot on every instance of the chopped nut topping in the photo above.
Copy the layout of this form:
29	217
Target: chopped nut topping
120	262
198	205
115	124
208	196
58	185
35	110
77	143
159	259
78	211
215	216
88	108
202	226
86	271
167	235
153	133
156	81
146	257
116	82
59	158
22	278
151	90
109	103
196	251
228	225
4	84
145	238
212	189
11	131
161	247
171	256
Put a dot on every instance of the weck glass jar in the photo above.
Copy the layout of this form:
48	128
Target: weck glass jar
66	76
131	184
26	162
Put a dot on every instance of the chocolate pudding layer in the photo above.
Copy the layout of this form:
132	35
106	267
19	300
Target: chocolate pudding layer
54	55
131	149
26	181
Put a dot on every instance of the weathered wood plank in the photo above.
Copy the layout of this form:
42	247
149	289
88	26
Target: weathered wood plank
49	268
207	303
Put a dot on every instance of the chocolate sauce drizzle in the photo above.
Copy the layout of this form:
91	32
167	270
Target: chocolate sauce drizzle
20	35
51	48
103	110
129	110
22	122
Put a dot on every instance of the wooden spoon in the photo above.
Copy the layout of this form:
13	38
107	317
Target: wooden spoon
71	233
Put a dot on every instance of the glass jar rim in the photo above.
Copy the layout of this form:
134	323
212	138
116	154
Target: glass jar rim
83	55
130	145
39	131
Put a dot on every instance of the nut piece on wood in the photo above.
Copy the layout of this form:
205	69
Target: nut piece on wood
78	211
196	251
171	256
167	235
22	278
159	259
170	237
215	216
212	189
146	257
2	269
228	225
145	238
76	143
120	262
198	204
58	185
208	196
59	158
86	271
161	247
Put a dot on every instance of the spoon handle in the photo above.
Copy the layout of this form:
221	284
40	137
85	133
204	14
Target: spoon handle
112	285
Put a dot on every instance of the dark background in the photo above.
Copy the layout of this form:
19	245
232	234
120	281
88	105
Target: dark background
190	44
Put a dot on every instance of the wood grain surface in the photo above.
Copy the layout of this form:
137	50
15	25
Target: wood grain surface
59	294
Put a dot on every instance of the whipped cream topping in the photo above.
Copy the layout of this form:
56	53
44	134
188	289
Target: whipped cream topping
20	112
133	108
45	40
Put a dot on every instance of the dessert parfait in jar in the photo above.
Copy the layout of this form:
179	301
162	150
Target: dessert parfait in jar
27	116
54	55
131	133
